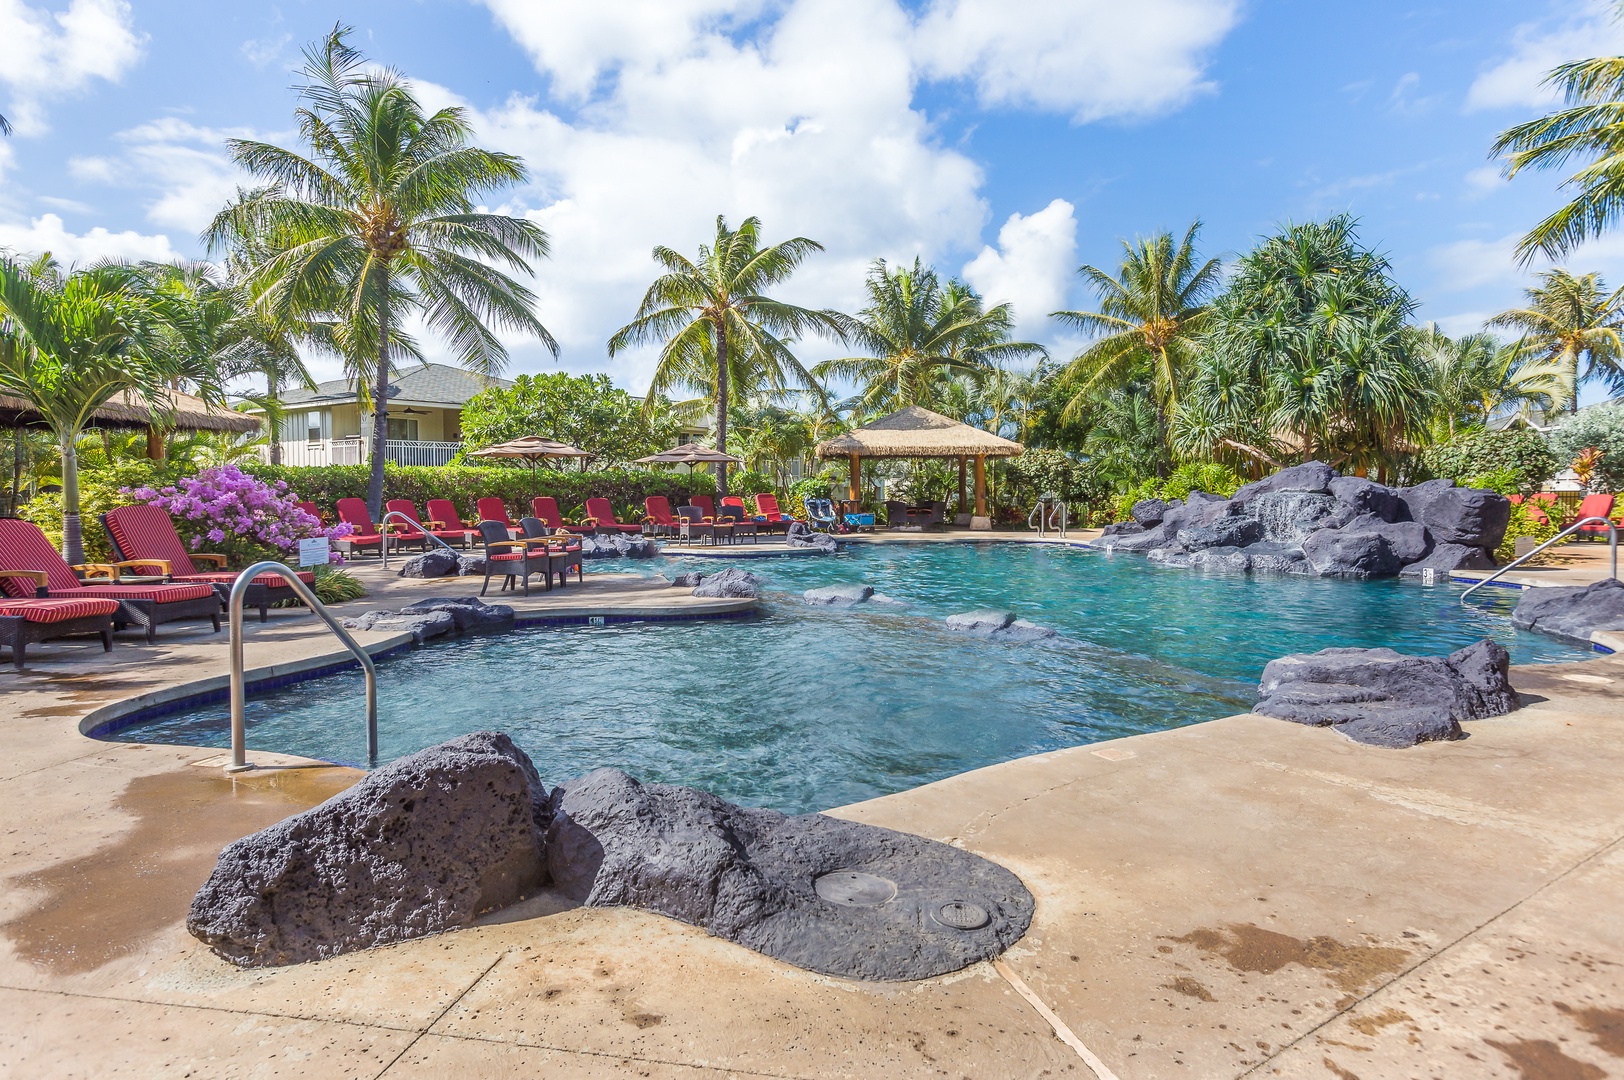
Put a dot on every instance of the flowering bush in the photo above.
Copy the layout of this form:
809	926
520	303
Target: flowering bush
237	515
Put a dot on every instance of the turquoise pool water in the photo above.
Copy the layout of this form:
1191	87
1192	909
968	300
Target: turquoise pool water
808	708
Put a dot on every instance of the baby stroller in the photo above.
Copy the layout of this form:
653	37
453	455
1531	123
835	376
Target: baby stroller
820	514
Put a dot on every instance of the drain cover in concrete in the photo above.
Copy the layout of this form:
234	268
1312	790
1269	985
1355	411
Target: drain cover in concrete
853	888
963	915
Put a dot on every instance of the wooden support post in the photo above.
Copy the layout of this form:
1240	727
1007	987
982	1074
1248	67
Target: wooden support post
981	490
856	478
964	497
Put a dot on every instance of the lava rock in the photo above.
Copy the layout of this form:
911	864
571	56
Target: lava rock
1224	532
687	581
1230	559
1446	557
471	614
734	583
1169	556
1364	496
838	595
634	547
419	846
1456	515
754	877
1338	553
1289	516
437	562
820	541
1385	698
1147	512
471	565
1572	612
981	621
1287	561
421	626
1122	528
1022	631
1409	540
1315	476
1142	541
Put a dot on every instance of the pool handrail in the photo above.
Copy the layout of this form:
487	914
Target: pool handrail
383	524
1612	541
1038	519
239	737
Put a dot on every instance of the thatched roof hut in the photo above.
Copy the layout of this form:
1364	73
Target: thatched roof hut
184	412
916	432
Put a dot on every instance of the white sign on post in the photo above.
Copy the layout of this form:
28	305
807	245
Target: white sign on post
314	552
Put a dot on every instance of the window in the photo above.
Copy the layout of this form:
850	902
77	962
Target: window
313	427
402	430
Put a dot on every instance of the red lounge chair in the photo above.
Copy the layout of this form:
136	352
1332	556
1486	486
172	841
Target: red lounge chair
310	508
768	515
144	538
705	504
603	514
491	508
451	533
660	520
1597	505
24	622
366	535
545	507
31	568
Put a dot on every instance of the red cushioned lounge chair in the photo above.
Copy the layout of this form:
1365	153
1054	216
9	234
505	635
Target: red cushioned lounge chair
310	508
706	505
1597	505
768	516
145	539
24	622
366	535
545	508
31	568
451	533
493	509
660	521
600	511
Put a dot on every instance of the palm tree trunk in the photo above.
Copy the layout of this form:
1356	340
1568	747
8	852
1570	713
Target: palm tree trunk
16	469
721	408
274	417
73	539
380	406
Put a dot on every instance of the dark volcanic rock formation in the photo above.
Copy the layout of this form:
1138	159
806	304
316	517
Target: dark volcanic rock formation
1573	613
419	846
471	614
421	626
734	582
824	894
1385	698
436	562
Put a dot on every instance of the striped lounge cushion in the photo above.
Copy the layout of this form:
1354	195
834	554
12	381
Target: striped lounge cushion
146	532
24	547
226	578
54	611
510	557
158	594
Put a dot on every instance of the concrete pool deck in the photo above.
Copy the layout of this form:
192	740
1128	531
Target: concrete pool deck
1240	897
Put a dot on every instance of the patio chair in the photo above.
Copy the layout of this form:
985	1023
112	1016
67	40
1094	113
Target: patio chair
706	505
820	514
492	508
602	512
450	534
144	538
445	521
563	549
1596	505
513	559
366	535
768	515
736	523
31	568
24	622
693	525
546	508
658	519
310	508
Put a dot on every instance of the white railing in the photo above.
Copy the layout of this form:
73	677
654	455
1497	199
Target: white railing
403	452
356	451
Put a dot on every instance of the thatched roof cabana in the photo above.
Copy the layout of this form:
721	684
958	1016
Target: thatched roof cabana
916	432
184	412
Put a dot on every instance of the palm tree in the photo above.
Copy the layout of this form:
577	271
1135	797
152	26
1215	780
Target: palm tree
1151	316
919	332
68	345
1475	378
1590	128
718	326
1573	324
378	224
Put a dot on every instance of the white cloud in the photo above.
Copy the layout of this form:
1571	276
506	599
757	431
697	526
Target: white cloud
1537	48
1484	180
1031	266
183	166
45	54
1091	58
47	233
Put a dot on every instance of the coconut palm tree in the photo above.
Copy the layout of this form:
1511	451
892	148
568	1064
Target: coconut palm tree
68	345
1591	129
719	330
1475	378
378	224
1151	314
919	332
1572	323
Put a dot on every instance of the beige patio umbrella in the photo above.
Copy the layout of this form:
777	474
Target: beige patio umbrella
916	432
690	454
533	449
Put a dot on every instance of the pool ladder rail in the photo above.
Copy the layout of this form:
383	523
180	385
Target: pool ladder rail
239	738
1049	513
1612	541
416	527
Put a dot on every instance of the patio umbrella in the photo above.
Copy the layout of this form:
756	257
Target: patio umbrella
690	454
532	449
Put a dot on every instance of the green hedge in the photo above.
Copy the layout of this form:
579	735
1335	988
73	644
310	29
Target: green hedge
625	489
1523	454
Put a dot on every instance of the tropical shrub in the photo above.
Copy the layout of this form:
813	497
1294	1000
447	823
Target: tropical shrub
1039	472
1601	427
586	411
100	490
242	517
336	586
1522	524
1501	481
1213	477
1523	453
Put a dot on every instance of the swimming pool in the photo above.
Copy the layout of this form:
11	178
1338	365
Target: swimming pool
807	708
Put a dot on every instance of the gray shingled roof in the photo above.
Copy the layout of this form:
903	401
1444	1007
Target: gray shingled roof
435	384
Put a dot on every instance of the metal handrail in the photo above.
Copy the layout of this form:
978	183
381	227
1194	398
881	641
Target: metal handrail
1612	532
239	737
418	525
1038	519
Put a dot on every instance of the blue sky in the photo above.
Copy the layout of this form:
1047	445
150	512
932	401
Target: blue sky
1005	142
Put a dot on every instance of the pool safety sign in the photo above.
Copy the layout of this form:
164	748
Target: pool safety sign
314	552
